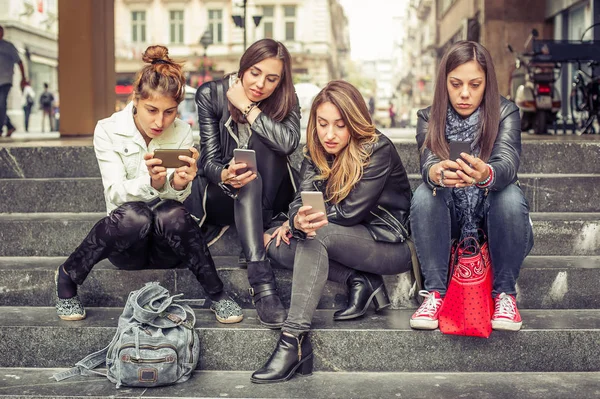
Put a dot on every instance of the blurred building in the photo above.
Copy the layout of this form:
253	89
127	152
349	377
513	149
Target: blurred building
31	25
433	25
314	31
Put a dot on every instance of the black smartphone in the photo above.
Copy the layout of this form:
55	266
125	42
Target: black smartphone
170	157
248	157
314	199
456	147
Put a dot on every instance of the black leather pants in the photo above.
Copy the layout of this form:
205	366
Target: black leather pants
251	210
135	236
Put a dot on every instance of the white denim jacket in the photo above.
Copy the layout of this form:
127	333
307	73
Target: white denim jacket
120	150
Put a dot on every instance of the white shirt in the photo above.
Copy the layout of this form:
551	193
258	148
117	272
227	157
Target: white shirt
120	150
27	90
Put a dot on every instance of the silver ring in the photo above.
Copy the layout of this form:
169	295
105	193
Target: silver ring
442	177
473	182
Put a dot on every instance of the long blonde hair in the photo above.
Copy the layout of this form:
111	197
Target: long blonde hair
348	165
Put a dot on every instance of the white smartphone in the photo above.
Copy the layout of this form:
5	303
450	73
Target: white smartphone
314	199
245	156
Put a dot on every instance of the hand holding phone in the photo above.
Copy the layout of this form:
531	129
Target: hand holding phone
245	156
315	200
170	157
456	147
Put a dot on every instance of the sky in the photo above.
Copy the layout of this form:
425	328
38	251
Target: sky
370	26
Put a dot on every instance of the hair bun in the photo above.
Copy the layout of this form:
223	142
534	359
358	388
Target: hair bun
156	55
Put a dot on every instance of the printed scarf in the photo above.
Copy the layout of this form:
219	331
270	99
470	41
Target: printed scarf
468	201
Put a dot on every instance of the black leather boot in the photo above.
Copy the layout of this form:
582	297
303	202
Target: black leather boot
269	309
291	355
363	288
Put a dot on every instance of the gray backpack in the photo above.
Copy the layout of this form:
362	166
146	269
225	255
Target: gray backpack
155	343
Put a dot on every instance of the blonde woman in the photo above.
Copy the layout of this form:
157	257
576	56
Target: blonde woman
367	198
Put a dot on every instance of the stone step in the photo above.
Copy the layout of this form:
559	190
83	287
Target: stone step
550	341
38	382
58	234
545	282
545	193
538	156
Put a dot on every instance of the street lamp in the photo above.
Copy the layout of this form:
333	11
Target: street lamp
206	40
240	20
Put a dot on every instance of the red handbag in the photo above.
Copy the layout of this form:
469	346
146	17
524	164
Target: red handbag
468	305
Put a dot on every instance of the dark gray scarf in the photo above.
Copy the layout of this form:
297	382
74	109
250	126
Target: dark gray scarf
468	201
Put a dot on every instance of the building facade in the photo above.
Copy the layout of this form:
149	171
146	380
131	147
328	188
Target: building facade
435	24
209	36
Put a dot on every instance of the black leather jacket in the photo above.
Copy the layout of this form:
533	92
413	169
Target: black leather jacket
218	136
506	153
218	139
380	200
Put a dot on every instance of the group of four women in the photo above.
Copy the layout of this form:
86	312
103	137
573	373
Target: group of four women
164	218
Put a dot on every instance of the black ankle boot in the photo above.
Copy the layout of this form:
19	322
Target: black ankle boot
363	288
269	309
291	355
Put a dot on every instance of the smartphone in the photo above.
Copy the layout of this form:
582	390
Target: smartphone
314	199
170	157
456	147
245	156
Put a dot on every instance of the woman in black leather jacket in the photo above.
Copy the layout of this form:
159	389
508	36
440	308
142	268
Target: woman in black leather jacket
367	199
477	190
255	108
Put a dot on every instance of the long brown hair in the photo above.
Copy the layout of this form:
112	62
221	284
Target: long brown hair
347	168
283	99
162	76
461	53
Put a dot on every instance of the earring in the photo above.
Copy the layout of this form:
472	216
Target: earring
134	110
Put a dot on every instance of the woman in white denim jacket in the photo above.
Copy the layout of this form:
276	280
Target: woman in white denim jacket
147	225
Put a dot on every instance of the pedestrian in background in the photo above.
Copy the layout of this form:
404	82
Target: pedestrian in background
28	99
9	56
46	105
254	108
480	190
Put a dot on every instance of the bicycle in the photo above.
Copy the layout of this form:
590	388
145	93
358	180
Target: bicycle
585	100
585	96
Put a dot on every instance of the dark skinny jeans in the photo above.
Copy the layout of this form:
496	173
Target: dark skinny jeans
342	249
135	236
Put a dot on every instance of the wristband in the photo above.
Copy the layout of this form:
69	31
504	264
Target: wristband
488	181
247	110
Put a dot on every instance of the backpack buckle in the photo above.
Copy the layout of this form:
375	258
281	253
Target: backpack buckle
174	318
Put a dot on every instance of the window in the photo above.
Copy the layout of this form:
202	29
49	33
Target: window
267	21
215	25
138	26
176	27
289	14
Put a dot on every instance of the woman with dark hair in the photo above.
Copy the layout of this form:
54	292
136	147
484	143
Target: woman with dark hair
147	225
255	108
367	199
479	190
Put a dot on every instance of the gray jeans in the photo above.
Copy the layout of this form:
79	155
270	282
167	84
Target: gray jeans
344	248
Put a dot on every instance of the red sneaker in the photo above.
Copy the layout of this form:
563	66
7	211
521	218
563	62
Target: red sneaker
426	317
506	315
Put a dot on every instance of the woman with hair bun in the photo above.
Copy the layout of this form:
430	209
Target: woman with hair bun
147	225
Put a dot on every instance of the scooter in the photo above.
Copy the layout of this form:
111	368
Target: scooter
537	98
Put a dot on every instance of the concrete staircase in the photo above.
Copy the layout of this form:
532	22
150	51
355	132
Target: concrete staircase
51	196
